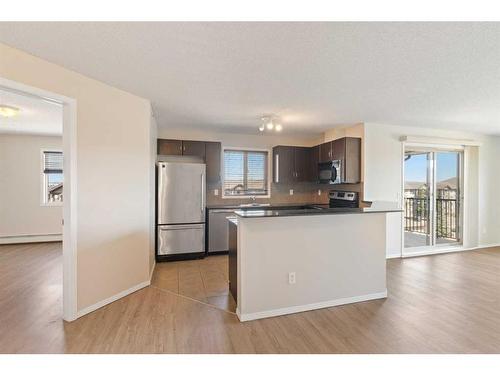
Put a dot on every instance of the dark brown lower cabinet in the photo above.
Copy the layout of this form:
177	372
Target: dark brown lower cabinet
233	264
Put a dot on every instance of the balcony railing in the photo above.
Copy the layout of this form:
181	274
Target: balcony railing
417	213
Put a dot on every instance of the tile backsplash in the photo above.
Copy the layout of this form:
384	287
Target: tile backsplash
305	192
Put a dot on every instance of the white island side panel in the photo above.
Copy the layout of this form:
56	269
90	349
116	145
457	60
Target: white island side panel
337	259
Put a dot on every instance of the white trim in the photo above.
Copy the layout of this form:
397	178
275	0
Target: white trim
436	141
432	149
107	301
151	272
269	172
30	238
70	191
308	307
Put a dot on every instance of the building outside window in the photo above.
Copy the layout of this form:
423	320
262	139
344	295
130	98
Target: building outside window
52	177
245	173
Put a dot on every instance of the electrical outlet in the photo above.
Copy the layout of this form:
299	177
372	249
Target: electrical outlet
291	191
216	191
319	191
291	278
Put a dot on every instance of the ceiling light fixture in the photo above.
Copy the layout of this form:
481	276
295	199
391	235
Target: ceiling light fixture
8	111
270	122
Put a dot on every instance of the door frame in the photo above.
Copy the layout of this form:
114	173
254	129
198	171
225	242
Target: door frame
69	106
433	148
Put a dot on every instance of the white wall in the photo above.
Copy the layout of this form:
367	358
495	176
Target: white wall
383	178
113	176
152	191
21	209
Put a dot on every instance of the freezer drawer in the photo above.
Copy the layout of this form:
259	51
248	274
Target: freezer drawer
181	239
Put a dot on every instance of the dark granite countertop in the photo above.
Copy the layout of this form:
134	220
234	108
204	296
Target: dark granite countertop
309	212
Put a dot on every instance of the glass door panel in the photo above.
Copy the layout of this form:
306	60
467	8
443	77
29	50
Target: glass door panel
417	199
447	216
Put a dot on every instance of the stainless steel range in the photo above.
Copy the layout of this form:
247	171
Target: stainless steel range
343	199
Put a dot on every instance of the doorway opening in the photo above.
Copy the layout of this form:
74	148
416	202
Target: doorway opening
433	199
55	181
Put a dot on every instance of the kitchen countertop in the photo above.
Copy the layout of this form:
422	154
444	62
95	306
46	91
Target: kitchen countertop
268	212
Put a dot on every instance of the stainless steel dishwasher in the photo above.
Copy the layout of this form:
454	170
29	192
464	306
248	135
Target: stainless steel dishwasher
218	229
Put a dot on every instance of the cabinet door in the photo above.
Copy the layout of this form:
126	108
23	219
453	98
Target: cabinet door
313	164
213	152
352	169
338	149
283	164
325	152
193	148
169	147
302	163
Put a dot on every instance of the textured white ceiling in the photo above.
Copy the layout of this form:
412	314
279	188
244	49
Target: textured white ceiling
224	76
36	116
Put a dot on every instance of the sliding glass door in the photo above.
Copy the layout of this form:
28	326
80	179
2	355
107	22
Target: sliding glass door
432	199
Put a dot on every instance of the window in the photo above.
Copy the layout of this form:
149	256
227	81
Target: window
245	173
52	162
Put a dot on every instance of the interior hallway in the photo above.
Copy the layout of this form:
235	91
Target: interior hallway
447	303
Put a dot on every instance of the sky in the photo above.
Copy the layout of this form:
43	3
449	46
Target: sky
416	166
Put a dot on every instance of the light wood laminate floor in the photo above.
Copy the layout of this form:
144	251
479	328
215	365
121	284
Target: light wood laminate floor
446	303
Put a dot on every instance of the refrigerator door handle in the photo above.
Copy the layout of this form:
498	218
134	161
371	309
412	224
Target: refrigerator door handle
202	192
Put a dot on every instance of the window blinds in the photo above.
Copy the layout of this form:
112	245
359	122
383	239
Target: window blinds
53	162
245	172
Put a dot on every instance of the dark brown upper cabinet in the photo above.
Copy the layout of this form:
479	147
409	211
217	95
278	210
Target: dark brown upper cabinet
338	149
348	150
291	164
283	164
213	152
313	163
302	160
193	148
208	151
325	152
169	147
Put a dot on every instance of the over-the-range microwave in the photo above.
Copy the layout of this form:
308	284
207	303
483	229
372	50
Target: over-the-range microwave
330	172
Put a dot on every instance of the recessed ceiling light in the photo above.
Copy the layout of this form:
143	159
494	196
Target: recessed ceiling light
8	111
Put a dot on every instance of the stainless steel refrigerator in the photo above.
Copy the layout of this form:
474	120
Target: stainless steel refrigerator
181	206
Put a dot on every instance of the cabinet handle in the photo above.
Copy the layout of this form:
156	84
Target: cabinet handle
277	168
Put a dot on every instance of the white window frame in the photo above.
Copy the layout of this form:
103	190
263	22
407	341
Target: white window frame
269	172
463	178
43	180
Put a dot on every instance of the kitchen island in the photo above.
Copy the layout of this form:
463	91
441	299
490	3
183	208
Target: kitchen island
288	261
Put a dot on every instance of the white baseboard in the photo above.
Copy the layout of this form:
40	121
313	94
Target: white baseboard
448	250
29	238
151	272
311	306
111	299
392	256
